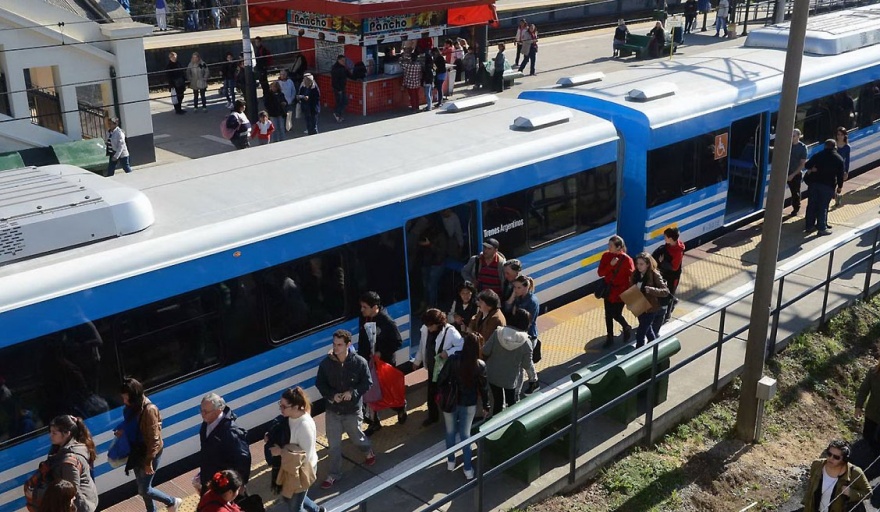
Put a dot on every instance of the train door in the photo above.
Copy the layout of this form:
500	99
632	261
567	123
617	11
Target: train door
745	159
438	245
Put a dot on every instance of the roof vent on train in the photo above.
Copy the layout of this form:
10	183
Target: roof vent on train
469	103
543	120
57	207
652	92
586	78
828	34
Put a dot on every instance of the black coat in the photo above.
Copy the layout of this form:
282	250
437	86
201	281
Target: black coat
223	449
388	340
176	75
339	75
277	435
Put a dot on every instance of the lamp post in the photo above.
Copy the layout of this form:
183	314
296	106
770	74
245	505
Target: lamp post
250	92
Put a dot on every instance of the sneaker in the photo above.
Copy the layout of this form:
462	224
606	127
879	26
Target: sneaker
337	118
531	388
230	106
328	482
825	232
401	417
370	459
372	429
809	231
177	503
204	109
627	334
450	465
469	474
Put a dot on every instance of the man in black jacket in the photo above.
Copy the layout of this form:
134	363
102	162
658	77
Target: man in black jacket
382	338
339	75
223	443
176	75
824	176
343	378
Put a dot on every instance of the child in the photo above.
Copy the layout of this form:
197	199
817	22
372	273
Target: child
264	129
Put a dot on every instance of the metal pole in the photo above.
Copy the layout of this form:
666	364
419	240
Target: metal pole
481	469
745	20
747	418
827	288
867	289
572	441
250	91
771	350
718	352
649	414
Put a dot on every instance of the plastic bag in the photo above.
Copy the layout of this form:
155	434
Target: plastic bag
117	455
374	394
391	380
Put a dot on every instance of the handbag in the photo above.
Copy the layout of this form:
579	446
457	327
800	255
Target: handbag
289	120
117	455
447	391
536	351
374	394
299	111
603	289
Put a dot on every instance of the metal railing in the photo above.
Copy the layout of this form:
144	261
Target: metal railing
45	107
91	121
718	306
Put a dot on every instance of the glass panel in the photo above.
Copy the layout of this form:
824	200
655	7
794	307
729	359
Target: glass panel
686	166
553	212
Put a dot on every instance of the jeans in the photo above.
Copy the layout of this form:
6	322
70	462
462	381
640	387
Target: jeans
300	502
196	94
429	95
280	128
161	19
122	162
335	425
146	489
431	275
646	328
794	186
817	206
458	422
438	87
500	396
341	103
529	58
614	313
721	24
689	23
229	86
311	119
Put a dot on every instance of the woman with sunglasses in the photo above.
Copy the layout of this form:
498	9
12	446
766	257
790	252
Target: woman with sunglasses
294	426
835	485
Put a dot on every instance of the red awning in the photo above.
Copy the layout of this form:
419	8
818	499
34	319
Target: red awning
475	15
366	8
259	15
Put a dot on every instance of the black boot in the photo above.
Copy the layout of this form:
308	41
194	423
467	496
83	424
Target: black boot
627	334
609	340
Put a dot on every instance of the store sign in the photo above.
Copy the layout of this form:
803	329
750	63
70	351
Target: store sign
324	22
503	228
404	22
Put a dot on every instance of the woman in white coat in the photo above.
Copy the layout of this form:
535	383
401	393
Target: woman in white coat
439	340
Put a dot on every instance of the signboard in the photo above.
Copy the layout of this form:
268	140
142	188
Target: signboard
404	22
720	146
324	22
323	35
411	35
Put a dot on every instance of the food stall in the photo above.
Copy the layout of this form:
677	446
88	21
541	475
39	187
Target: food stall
363	31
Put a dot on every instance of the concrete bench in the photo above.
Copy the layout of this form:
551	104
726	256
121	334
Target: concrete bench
510	75
639	46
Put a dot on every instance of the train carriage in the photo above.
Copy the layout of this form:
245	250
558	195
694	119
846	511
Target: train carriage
696	132
255	257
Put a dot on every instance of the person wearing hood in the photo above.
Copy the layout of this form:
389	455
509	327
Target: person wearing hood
296	426
439	340
197	74
669	257
223	443
343	378
72	457
507	352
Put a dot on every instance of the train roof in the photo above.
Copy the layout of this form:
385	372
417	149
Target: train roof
212	204
690	87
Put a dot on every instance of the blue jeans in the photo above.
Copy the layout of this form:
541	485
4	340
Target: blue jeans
122	162
438	86
431	275
229	86
280	132
459	422
721	24
429	90
146	489
301	502
311	119
645	328
341	103
817	206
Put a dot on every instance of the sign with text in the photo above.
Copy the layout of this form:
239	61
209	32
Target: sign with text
324	22
404	22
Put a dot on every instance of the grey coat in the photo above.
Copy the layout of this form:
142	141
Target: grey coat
79	474
507	353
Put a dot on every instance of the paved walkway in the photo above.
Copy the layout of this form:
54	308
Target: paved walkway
572	335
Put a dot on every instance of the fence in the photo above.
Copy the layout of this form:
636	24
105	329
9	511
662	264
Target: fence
91	120
45	107
869	231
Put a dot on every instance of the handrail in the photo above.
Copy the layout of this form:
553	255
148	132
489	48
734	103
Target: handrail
702	313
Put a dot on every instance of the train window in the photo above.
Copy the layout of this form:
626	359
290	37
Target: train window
686	166
377	263
73	371
171	338
819	118
526	220
304	294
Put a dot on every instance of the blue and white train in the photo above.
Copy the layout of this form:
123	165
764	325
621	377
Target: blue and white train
696	131
230	273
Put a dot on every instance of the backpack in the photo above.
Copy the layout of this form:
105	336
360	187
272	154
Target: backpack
229	126
36	485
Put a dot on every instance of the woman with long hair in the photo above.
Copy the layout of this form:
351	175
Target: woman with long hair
71	459
439	340
524	298
652	286
223	488
294	426
142	425
59	497
468	373
615	268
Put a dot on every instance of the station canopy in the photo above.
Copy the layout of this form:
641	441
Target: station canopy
459	12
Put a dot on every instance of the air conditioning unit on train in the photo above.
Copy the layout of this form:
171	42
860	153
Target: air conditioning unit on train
57	207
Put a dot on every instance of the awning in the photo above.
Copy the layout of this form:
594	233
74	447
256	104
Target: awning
474	15
365	8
